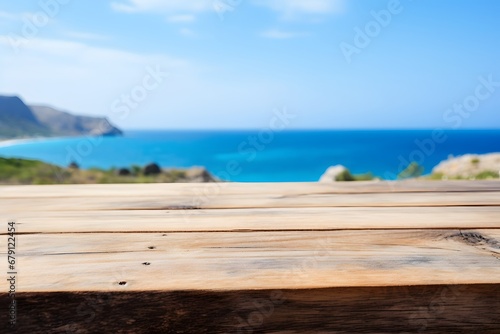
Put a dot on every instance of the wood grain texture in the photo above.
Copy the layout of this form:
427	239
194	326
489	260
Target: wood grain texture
238	261
98	202
259	219
370	257
180	189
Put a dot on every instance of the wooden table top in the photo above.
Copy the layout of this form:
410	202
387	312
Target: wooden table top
234	236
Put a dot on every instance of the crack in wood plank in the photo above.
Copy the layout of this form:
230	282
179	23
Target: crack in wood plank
479	241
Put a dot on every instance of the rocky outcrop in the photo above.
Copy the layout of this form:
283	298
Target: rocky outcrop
190	175
152	169
73	165
469	166
198	175
336	173
123	172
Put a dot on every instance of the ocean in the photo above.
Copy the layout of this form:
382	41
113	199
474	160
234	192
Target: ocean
264	156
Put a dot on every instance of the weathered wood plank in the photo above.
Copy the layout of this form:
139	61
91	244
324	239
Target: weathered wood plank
15	206
412	309
276	189
273	219
243	261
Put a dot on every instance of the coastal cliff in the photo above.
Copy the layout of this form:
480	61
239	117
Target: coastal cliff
18	120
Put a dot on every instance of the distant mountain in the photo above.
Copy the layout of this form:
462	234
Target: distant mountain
64	123
19	120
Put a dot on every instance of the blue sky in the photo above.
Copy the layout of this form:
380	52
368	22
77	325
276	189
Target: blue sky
231	64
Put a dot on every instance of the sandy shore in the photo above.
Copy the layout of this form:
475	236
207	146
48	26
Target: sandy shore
13	142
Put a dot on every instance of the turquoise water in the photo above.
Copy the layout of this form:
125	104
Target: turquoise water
253	156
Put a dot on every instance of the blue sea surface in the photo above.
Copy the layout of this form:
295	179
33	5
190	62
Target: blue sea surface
264	156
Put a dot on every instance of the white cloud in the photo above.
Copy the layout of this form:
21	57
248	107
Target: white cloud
280	34
293	9
77	51
85	79
85	36
176	11
79	77
185	18
8	16
185	10
187	32
164	6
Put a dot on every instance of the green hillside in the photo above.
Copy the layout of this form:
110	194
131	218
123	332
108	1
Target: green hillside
22	171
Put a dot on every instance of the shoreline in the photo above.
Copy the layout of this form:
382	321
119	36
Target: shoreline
13	142
19	141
